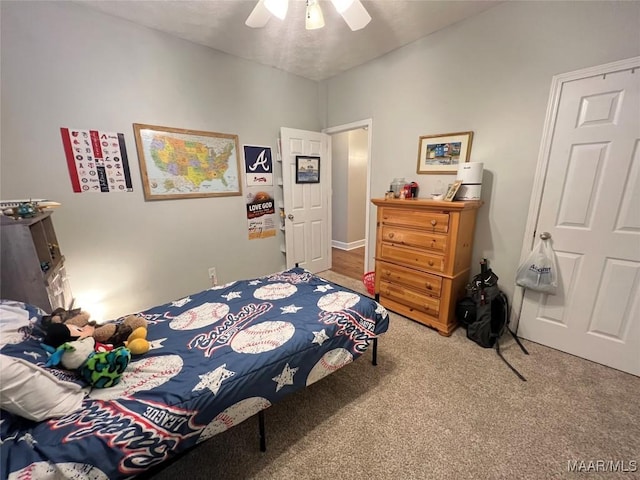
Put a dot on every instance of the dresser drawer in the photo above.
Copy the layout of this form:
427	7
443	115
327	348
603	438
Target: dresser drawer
423	282
414	238
412	257
434	221
410	298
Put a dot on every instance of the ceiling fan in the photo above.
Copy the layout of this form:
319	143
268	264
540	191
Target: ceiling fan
352	11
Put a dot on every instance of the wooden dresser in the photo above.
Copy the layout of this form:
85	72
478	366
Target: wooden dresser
423	256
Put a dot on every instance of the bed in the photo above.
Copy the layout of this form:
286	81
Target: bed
218	357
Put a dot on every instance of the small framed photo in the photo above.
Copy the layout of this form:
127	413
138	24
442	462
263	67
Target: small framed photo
453	189
307	169
442	153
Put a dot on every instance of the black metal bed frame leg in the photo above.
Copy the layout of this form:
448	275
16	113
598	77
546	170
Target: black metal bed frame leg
263	439
374	360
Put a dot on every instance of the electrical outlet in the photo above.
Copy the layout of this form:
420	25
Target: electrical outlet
213	276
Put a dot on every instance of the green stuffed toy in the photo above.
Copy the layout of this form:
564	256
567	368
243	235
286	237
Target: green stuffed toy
100	369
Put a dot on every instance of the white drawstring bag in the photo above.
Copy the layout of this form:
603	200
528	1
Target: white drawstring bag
539	271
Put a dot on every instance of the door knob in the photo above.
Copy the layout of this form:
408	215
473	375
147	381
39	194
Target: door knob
545	236
290	217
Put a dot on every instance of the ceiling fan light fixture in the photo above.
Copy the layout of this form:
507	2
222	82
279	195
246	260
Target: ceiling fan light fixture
278	8
259	16
314	18
341	5
353	12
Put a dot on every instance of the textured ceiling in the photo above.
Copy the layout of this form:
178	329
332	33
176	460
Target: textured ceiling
285	44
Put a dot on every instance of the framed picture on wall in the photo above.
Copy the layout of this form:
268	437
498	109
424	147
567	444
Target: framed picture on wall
177	163
307	169
443	152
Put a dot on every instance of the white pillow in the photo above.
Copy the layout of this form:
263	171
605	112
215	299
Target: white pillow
34	393
13	317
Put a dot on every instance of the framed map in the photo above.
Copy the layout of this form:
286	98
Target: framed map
177	163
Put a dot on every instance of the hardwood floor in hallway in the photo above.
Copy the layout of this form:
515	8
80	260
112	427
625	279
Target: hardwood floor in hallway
348	262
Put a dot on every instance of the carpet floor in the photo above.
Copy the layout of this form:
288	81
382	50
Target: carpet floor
436	408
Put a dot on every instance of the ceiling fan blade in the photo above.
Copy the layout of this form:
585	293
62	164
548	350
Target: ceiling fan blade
259	16
353	13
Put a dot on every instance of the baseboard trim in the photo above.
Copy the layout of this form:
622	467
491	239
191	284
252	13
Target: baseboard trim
347	246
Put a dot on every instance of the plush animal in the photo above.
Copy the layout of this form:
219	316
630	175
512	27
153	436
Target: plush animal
137	342
67	325
75	316
100	369
117	334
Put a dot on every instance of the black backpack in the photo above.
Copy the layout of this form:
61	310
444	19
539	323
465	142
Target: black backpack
484	312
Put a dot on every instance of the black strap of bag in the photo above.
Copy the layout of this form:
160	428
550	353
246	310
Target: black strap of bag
497	343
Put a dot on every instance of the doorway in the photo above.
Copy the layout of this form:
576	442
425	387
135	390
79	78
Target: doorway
350	165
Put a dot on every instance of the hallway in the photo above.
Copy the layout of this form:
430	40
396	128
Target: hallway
348	262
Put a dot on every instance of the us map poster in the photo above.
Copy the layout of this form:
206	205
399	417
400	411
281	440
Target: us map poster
97	161
261	212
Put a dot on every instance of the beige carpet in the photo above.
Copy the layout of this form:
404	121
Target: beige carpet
436	408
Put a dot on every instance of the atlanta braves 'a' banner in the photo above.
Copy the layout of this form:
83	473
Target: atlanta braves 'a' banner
258	165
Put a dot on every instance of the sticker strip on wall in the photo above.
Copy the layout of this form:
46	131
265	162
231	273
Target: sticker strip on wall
97	161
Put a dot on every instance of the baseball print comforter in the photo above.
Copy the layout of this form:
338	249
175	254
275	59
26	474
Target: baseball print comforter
217	358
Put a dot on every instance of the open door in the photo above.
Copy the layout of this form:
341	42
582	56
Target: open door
306	189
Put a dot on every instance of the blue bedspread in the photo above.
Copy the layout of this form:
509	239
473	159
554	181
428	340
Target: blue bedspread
217	358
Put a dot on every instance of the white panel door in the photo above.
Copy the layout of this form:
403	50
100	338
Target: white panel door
307	206
591	206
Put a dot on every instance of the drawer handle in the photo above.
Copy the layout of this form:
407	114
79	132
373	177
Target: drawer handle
433	222
430	262
391	235
428	286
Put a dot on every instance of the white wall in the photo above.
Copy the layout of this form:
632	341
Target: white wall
357	205
64	65
349	154
339	186
490	74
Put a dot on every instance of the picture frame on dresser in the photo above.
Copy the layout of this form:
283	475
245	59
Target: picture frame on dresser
441	153
453	189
